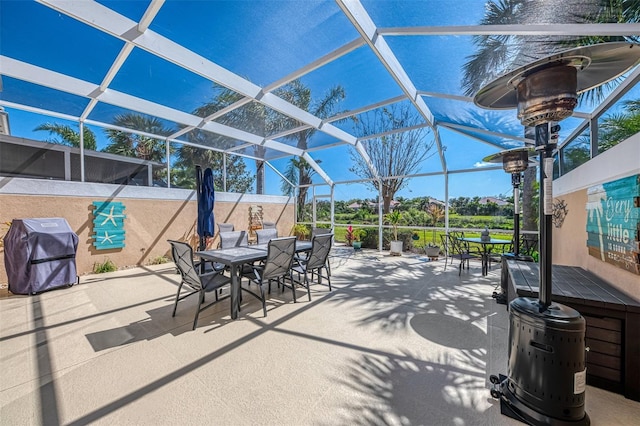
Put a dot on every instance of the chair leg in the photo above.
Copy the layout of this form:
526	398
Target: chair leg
264	303
293	286
175	305
307	284
195	320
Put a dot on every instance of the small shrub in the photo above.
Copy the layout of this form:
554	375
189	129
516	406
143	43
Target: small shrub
302	231
106	266
158	260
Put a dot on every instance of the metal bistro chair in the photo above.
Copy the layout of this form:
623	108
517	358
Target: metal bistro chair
199	283
277	267
528	244
456	249
323	231
233	239
317	260
225	227
265	235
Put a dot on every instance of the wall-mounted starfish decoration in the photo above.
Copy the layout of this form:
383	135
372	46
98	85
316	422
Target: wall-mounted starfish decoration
110	217
106	238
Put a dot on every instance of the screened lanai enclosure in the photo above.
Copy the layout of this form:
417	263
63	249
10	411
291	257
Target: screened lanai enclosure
365	100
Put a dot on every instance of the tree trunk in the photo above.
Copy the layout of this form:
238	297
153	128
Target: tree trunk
386	203
302	196
259	177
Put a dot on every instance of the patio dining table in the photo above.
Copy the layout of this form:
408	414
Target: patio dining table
235	257
487	246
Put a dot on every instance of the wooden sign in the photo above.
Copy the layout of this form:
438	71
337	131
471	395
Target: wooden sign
108	225
613	222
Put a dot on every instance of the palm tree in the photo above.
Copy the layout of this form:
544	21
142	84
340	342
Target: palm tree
496	54
183	172
300	95
299	173
617	127
134	145
252	117
69	136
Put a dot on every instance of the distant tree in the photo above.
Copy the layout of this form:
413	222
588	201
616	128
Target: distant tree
497	54
300	95
294	175
395	154
252	117
618	127
575	155
135	145
67	135
184	171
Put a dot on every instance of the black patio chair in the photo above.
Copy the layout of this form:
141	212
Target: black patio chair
457	249
316	261
265	235
528	244
277	266
198	283
323	231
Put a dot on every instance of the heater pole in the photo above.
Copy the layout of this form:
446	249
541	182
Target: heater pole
515	181
544	145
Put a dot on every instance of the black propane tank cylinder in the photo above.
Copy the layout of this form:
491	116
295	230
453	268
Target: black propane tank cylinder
547	358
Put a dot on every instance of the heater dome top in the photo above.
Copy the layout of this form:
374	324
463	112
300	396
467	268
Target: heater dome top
513	160
500	157
595	64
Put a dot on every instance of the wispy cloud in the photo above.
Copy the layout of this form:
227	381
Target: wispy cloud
482	164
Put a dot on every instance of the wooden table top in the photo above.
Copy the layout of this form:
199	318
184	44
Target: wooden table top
571	284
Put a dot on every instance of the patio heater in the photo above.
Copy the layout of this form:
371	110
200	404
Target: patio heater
514	161
546	377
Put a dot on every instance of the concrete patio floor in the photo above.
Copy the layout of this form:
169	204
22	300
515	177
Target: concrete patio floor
398	341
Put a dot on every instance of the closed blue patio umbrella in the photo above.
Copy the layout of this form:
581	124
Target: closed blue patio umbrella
206	198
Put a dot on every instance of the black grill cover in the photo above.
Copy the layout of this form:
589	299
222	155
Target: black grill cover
40	254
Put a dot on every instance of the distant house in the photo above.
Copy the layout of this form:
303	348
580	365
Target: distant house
497	201
438	202
374	206
392	204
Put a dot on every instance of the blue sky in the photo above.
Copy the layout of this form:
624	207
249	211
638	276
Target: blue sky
263	42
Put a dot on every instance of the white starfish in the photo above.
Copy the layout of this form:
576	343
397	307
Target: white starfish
106	238
110	216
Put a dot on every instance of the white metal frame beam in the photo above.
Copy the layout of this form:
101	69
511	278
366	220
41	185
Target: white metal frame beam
110	22
612	29
363	23
462	128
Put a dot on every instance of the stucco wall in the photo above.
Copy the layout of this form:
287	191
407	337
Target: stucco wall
153	215
570	240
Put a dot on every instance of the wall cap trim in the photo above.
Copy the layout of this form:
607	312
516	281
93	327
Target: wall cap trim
60	188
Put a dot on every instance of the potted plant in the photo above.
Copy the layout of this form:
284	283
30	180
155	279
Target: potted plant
353	236
394	219
436	213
